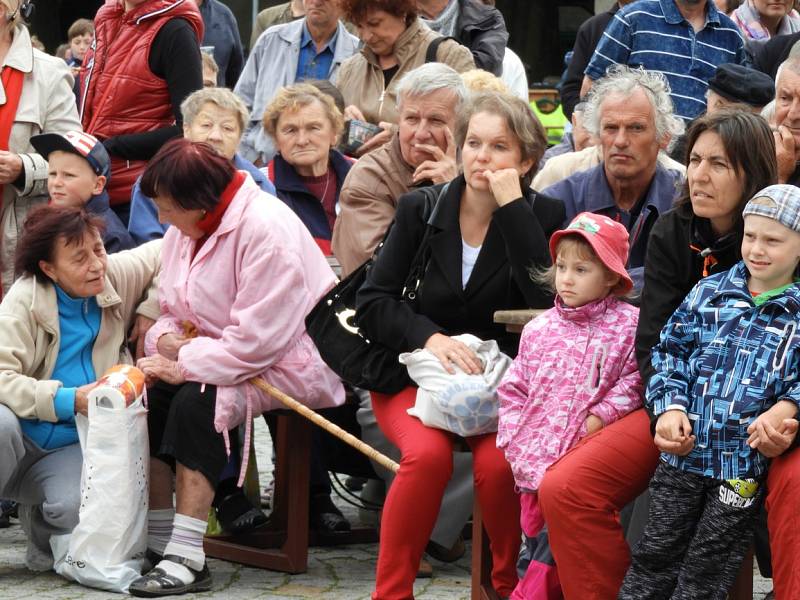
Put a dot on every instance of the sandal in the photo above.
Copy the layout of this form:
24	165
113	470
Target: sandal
236	515
159	583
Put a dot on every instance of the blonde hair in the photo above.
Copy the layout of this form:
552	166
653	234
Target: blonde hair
478	80
222	97
297	96
579	247
11	5
209	62
520	120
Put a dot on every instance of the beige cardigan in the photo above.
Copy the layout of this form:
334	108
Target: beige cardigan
29	329
360	77
47	105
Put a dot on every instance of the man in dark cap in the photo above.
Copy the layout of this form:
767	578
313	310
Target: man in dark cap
737	84
732	84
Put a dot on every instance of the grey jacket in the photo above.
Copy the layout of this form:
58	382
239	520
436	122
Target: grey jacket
272	64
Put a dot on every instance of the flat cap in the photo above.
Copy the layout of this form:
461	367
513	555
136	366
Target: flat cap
780	202
742	84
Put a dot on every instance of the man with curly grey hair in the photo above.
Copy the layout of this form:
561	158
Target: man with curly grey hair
630	113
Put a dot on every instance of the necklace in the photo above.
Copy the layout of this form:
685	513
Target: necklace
328	177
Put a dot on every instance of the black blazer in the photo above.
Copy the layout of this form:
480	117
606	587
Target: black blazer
516	241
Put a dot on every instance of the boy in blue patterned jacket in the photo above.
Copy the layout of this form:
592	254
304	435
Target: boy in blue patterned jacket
727	371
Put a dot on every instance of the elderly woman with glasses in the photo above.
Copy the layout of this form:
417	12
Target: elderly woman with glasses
212	115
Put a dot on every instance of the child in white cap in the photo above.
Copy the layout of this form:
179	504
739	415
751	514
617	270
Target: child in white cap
726	380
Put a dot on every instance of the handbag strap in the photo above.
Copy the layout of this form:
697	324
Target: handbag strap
422	256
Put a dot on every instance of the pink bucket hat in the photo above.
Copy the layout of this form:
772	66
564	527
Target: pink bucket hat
608	239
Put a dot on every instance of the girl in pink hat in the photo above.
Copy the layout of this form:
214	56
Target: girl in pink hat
575	373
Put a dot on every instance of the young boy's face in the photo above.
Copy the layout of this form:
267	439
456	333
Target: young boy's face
771	252
80	44
70	179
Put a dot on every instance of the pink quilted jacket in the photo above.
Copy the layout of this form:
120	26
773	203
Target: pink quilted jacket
572	362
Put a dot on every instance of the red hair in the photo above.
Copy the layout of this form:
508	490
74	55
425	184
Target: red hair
192	174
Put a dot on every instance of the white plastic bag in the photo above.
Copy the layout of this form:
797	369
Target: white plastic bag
106	549
463	404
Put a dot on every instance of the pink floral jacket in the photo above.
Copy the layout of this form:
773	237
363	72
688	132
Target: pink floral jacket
248	291
572	362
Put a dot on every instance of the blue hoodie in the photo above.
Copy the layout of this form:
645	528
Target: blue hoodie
116	236
78	324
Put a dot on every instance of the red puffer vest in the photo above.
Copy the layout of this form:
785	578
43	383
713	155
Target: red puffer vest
120	93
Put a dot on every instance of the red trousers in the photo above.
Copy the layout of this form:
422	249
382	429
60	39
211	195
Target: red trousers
581	496
415	496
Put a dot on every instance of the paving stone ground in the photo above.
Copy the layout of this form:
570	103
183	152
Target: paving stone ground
338	573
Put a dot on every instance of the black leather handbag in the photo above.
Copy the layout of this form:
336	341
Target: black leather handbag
344	348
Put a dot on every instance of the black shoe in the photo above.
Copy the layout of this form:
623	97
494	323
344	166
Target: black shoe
151	559
447	555
237	515
8	509
158	583
5	521
325	517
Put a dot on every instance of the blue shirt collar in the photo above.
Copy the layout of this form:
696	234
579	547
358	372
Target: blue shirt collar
600	197
674	17
305	39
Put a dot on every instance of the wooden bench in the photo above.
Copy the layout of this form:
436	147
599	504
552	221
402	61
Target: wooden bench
282	545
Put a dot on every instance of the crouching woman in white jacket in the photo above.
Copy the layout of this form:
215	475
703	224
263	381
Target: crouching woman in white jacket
62	325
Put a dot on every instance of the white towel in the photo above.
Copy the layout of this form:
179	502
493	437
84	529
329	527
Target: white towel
461	403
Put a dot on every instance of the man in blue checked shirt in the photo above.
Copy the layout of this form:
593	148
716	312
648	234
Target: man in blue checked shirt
686	40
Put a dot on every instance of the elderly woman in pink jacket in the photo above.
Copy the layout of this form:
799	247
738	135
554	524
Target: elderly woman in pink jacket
240	272
574	374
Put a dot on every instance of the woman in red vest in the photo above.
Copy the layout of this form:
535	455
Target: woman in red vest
145	61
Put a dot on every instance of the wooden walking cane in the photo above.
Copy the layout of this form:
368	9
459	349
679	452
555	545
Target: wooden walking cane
190	331
331	428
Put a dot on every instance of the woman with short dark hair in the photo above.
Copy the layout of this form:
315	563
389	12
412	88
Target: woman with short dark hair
395	42
490	231
240	273
63	324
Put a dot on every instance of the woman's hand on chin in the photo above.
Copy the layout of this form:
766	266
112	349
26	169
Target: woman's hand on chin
451	353
158	367
504	184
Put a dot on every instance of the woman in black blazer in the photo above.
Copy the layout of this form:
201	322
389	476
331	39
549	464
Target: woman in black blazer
488	237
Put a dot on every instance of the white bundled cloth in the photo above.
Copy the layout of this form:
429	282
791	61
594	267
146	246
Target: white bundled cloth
461	403
107	547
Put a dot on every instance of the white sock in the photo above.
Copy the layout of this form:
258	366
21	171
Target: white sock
187	540
159	529
178	571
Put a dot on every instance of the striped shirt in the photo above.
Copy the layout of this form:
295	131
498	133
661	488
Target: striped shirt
653	34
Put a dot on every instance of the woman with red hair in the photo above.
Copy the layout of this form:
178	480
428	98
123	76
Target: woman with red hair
240	272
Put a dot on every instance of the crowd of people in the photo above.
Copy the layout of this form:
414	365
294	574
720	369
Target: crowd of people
173	200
